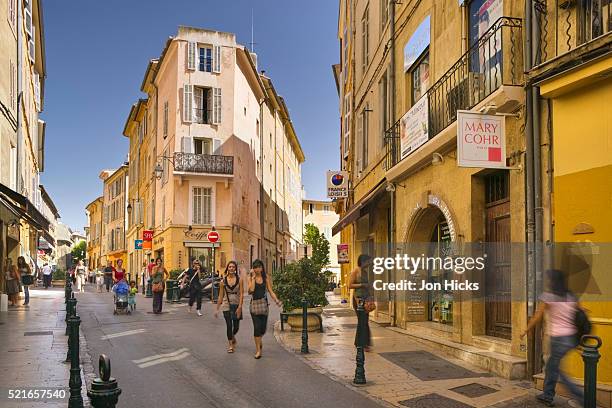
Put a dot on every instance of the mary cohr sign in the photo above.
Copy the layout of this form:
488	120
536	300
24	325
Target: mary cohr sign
481	140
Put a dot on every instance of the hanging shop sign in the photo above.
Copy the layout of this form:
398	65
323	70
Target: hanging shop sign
337	184
147	235
148	245
417	43
414	127
481	140
343	253
138	244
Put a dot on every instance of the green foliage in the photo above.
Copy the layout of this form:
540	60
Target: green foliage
320	245
79	251
175	273
301	279
58	274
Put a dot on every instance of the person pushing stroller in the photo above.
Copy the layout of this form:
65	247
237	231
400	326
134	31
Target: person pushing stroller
121	291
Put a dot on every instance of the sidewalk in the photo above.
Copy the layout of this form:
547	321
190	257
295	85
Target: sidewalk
401	372
33	349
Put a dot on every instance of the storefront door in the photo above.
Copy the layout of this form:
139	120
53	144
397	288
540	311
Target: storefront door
204	255
440	302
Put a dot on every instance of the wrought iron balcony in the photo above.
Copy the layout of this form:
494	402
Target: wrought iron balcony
494	60
203	163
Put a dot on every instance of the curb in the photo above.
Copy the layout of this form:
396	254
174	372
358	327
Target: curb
296	353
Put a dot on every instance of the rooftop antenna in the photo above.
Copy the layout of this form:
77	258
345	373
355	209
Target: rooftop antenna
252	43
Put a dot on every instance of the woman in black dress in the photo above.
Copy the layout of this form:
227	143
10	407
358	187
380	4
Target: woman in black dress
260	284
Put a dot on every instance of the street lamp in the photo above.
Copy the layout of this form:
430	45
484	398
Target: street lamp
159	169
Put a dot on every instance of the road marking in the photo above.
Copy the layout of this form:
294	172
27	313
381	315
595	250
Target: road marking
121	334
160	356
164	360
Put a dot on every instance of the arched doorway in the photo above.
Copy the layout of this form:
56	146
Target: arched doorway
432	233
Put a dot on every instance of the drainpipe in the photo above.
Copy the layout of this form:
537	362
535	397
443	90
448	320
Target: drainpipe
392	244
261	182
18	182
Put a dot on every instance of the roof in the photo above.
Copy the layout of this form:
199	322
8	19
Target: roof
307	201
47	199
94	201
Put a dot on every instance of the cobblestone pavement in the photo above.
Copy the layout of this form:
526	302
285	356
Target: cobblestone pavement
461	385
33	349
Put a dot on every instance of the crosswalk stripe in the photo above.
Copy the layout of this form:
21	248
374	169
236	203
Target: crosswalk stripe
150	358
121	334
164	360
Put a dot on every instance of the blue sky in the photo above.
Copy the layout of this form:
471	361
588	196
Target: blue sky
97	52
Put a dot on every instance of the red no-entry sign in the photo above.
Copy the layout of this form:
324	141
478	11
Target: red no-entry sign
213	236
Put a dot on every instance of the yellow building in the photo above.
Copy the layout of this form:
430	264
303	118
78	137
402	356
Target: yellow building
114	215
572	75
94	232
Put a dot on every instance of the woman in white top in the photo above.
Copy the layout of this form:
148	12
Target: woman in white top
80	275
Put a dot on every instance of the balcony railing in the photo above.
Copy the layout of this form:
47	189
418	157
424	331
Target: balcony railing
564	25
203	163
494	60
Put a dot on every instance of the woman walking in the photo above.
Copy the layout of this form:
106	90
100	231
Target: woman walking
12	284
79	274
560	307
231	294
159	277
360	283
195	286
259	285
25	272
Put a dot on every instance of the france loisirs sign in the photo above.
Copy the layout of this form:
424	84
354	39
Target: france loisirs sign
337	184
481	140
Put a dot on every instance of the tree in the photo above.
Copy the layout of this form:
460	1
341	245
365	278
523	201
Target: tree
78	252
320	245
301	280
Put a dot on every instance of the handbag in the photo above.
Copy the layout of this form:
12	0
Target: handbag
259	307
27	280
369	305
158	287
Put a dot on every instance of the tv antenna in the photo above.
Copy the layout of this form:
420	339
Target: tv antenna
252	43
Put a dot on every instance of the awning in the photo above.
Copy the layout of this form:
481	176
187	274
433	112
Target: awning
24	207
200	244
356	210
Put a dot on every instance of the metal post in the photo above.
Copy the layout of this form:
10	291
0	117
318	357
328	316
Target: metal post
590	356
149	288
70	312
360	343
305	327
104	391
75	383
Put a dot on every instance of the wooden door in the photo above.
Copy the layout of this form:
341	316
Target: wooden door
498	266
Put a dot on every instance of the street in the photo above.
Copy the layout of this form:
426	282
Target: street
180	359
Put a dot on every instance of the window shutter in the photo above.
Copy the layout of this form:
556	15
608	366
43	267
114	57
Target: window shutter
216	105
191	55
186	144
217	146
187	103
217	59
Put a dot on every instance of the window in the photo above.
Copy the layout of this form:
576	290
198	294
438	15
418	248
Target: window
13	168
205	59
384	14
216	106
166	168
13	87
12	13
202	105
310	208
419	75
364	137
217	59
383	91
187	103
165	119
365	38
327	232
191	50
202	146
202	205
326	208
347	123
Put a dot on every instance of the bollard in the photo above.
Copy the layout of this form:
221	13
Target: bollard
304	326
104	391
590	356
68	311
75	383
360	343
71	312
149	289
67	288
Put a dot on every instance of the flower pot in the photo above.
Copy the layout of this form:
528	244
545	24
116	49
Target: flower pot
296	321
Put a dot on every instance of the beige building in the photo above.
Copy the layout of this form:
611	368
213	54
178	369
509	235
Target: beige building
22	73
408	194
212	146
323	215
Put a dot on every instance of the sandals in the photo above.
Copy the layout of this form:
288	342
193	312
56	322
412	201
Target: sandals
230	349
257	357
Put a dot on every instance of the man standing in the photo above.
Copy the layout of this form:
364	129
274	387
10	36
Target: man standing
108	275
46	271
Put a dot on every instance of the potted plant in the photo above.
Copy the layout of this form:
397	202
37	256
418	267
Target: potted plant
58	277
301	280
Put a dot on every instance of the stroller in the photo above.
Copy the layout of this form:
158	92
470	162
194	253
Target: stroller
121	290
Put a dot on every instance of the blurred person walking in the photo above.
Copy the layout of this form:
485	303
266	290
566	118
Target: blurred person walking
158	277
27	279
231	294
363	292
